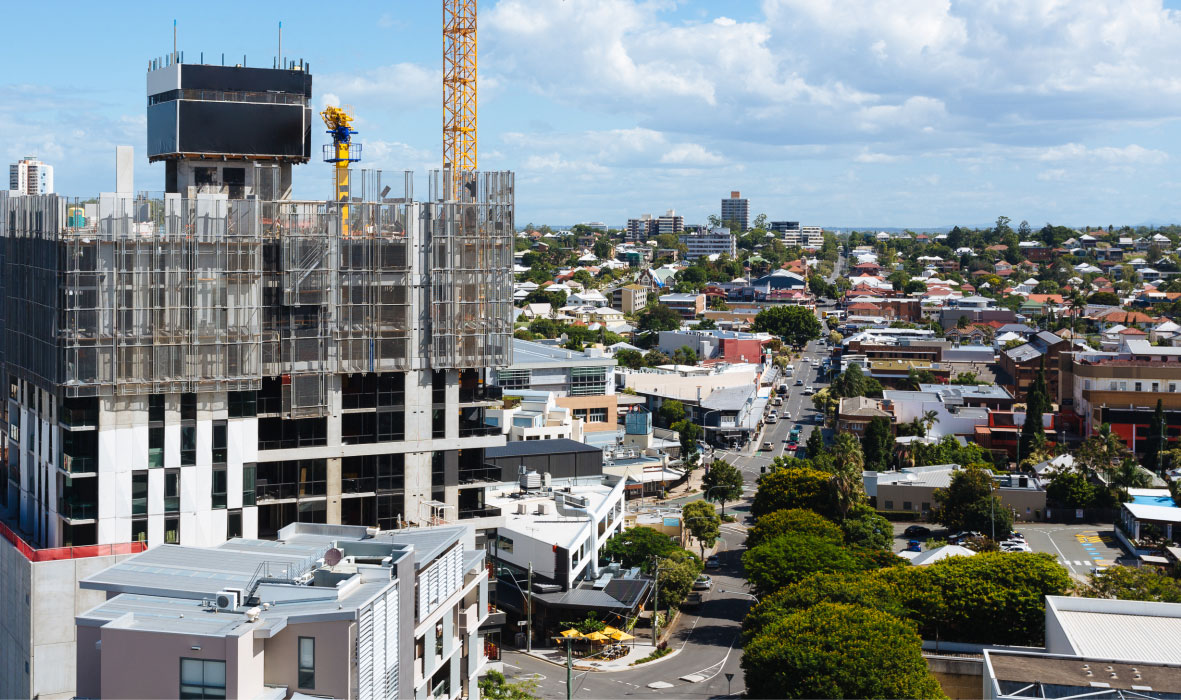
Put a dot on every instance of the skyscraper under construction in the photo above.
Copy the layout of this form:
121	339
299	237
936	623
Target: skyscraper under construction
220	360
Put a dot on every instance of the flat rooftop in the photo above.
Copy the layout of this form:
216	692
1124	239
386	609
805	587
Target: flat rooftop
530	355
551	526
1118	629
525	448
1032	675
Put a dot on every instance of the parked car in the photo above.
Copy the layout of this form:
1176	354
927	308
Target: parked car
692	600
914	546
703	583
777	402
792	445
767	447
713	563
916	531
960	537
1015	547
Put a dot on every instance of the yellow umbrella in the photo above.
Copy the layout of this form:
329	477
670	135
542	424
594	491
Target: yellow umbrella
596	637
571	633
610	631
621	636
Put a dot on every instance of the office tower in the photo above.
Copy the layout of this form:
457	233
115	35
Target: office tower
736	212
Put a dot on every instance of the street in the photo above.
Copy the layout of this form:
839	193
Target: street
707	641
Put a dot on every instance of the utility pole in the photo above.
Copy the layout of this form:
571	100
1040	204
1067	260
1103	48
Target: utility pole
656	604
569	671
529	611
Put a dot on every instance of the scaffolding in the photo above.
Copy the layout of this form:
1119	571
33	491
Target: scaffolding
470	233
125	295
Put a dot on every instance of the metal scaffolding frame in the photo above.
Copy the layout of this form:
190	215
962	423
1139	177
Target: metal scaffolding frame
125	295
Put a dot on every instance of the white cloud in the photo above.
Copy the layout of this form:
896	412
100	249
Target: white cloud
690	154
867	156
1128	155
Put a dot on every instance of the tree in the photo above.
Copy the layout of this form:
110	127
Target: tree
1128	583
632	359
794	521
966	378
814	445
969	504
702	522
850	383
833	650
1128	475
961	322
555	298
878	443
786	559
1037	403
675	575
602	249
685	355
847	480
723	482
1156	438
795	324
658	317
655	358
1070	489
494	686
864	528
671	411
856	588
689	433
1103	299
792	487
637	546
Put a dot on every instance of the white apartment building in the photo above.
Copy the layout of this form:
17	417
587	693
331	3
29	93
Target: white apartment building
30	176
718	241
736	210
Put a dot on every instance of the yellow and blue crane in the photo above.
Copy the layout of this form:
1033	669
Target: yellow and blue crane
342	152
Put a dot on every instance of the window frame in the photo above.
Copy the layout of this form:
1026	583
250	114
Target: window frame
203	690
305	675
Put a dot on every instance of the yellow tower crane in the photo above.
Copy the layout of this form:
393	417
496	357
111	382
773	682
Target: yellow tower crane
342	151
459	85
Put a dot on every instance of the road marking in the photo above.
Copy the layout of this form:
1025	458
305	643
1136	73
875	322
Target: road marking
1078	563
659	685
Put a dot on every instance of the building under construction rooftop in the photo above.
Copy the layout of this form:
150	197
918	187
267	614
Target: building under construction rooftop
220	360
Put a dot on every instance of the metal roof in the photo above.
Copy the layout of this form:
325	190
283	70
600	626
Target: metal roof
525	448
730	398
530	355
428	542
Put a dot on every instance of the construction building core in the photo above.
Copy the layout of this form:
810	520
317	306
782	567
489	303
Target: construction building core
221	360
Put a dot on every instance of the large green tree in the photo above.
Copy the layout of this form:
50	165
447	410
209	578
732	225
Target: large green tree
703	522
795	324
864	528
658	317
793	487
689	434
1037	404
878	443
723	483
848	465
786	559
632	359
833	650
675	574
1128	583
969	503
793	521
637	546
854	588
671	411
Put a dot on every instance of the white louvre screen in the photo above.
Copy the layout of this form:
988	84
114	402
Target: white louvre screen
377	649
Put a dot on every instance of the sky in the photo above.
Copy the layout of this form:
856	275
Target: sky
848	113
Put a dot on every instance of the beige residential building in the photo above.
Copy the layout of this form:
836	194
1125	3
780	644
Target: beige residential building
326	611
630	299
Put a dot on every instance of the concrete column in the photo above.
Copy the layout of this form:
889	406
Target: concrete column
333	478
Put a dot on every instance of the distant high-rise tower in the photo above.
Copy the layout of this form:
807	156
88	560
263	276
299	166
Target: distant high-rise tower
30	176
736	212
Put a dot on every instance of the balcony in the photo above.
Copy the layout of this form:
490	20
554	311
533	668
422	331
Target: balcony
77	510
481	393
496	618
78	417
79	465
473	429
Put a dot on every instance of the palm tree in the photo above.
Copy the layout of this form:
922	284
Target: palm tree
1077	304
847	467
1125	475
929	419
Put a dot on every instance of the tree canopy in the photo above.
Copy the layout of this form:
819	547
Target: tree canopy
637	546
833	650
703	522
723	483
677	572
878	443
658	317
786	559
794	521
793	487
969	503
1128	583
795	324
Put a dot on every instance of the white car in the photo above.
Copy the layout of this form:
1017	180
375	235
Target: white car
1015	547
786	415
808	391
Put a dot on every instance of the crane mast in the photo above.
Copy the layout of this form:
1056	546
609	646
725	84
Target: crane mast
459	85
341	152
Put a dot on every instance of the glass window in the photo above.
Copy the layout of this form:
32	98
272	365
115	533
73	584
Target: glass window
139	530
588	381
307	662
172	530
188	445
139	493
188	407
249	495
202	678
513	378
242	404
156	447
219	487
219	442
234	524
156	407
172	491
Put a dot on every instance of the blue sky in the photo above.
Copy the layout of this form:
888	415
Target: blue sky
834	112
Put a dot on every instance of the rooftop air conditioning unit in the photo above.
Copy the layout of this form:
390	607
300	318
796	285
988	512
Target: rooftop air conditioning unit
522	509
542	508
228	600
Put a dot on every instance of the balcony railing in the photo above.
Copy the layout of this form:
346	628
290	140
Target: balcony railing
480	393
79	465
477	430
76	510
78	417
479	513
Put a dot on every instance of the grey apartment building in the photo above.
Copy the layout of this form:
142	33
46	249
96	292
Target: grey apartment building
736	211
219	360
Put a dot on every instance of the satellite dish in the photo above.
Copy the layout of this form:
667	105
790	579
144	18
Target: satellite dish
333	556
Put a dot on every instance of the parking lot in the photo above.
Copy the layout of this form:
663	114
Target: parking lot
1079	548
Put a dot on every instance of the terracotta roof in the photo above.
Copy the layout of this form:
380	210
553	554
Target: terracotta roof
1126	317
1132	331
1046	298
